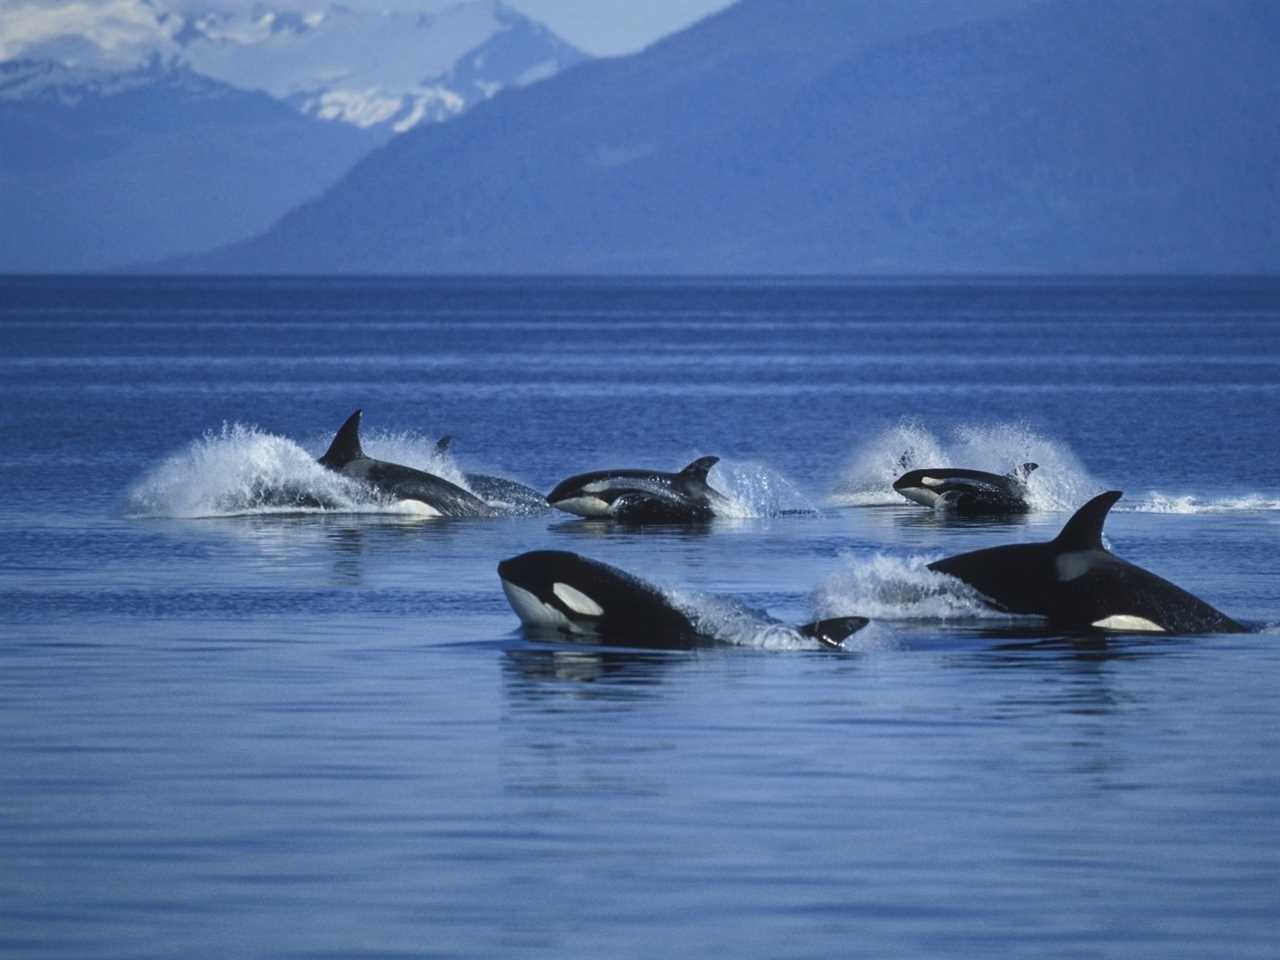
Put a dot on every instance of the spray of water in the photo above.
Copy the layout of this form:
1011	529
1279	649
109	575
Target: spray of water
757	490
731	622
1061	483
244	470
886	587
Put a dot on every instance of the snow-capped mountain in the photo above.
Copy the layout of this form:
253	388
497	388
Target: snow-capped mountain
383	69
132	131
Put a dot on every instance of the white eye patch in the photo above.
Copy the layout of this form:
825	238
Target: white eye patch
577	601
932	481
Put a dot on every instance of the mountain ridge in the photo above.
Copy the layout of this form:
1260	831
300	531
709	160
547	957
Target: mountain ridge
1037	137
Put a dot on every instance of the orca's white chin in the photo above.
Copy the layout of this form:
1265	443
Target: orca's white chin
1128	624
590	507
533	612
926	498
417	508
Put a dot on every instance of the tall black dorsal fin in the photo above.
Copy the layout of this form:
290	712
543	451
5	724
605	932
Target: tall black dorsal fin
700	468
1084	530
346	444
832	633
442	445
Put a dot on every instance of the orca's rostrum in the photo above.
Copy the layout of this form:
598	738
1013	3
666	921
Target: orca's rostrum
1076	582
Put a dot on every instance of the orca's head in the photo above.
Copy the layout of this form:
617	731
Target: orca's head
581	495
920	486
560	590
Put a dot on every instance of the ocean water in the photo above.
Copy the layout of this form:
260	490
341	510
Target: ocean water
231	731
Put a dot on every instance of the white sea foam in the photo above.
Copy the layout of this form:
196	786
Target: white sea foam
887	587
757	490
1060	483
1156	502
240	470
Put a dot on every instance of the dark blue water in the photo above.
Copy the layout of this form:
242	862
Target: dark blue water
228	732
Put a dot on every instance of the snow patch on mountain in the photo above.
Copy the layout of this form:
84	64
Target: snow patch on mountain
382	68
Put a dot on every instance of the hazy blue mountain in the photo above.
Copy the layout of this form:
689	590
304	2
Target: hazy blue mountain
100	169
848	136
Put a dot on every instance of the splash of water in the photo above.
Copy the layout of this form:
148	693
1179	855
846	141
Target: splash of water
885	587
1061	483
757	490
868	477
729	621
239	470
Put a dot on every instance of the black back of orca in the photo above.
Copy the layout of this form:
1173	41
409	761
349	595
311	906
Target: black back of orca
346	456
1077	582
564	593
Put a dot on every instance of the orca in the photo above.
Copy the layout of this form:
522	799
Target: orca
642	496
967	491
437	496
568	594
499	492
1077	582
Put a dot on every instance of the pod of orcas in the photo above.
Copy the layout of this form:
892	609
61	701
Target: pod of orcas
1073	580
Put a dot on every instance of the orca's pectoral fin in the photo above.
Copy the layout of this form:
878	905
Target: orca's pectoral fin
442	445
1084	530
833	632
699	469
346	444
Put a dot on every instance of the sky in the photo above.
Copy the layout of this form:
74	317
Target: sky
608	27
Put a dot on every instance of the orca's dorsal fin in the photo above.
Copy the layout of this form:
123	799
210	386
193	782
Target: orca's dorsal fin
833	632
699	469
442	445
346	444
1084	530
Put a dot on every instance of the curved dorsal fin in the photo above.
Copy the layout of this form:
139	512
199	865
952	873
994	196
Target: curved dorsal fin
442	445
699	469
346	444
1084	530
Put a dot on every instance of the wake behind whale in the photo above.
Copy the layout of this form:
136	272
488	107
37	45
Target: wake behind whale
1059	482
242	470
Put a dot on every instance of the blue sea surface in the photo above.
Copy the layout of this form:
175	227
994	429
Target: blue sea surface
228	730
